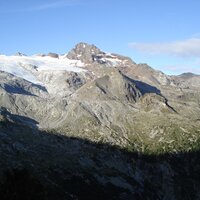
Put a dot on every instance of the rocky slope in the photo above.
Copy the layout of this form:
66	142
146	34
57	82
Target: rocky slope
105	101
48	165
93	94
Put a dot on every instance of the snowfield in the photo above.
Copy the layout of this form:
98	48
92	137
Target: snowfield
27	67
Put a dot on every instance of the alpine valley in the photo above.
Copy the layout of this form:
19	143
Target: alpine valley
95	125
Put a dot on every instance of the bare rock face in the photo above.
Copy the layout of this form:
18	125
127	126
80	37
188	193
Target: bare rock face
147	74
75	80
113	85
84	52
53	55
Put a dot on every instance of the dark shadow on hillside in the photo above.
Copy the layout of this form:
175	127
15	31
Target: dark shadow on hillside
43	88
19	119
146	88
17	89
142	86
50	166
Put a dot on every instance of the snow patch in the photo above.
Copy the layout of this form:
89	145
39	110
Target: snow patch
12	66
114	61
20	65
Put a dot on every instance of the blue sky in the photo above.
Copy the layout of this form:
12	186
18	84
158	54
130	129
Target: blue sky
163	33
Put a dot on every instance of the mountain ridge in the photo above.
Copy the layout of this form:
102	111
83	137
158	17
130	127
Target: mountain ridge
88	90
95	125
100	92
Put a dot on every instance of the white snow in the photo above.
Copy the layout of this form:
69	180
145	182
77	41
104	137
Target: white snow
110	55
10	65
20	65
114	61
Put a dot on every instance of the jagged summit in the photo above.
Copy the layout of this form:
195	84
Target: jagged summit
82	46
85	58
84	52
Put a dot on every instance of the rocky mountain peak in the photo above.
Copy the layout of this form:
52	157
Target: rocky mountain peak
84	52
82	46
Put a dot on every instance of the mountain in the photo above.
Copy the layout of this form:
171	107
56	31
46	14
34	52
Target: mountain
98	120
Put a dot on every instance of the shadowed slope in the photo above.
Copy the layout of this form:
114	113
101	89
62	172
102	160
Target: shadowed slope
52	166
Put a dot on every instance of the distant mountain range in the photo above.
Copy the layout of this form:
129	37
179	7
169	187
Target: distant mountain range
89	101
